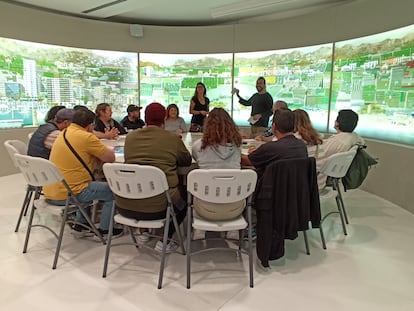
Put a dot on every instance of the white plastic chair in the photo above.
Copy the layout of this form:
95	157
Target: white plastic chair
18	147
133	181
29	136
40	172
336	167
220	186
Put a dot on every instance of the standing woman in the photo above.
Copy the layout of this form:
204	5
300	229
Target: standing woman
199	108
173	122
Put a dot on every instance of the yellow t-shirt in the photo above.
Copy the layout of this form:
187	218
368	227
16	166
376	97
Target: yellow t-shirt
89	148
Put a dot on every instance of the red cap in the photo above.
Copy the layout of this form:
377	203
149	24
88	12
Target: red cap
155	114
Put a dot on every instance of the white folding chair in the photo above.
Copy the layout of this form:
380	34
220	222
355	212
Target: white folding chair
18	147
133	181
335	168
40	172
220	186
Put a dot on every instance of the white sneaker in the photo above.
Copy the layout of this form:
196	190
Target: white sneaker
199	234
171	247
143	237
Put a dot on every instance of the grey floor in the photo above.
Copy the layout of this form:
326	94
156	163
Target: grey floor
370	269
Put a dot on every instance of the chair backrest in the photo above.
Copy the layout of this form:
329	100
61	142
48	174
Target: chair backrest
337	164
38	172
29	136
134	181
14	146
221	185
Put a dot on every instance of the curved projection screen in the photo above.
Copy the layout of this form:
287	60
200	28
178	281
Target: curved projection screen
372	75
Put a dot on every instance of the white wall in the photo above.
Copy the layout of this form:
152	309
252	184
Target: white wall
392	179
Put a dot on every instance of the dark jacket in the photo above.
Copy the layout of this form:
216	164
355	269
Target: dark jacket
99	126
37	142
287	198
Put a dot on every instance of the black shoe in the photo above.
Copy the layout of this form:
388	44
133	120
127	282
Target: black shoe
116	233
81	231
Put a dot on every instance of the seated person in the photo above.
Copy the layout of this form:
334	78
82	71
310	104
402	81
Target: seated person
173	122
305	131
43	138
79	178
132	121
287	146
342	141
51	114
220	147
105	126
153	145
268	134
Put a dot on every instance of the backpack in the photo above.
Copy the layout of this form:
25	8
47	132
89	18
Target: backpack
358	170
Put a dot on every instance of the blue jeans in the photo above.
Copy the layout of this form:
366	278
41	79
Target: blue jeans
96	190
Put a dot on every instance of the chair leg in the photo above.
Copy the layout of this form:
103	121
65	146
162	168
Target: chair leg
29	228
25	206
178	231
322	236
164	245
249	235
339	202
188	248
342	205
60	238
341	215
134	239
305	237
109	240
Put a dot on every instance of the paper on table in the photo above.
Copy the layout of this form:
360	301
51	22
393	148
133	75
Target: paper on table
251	120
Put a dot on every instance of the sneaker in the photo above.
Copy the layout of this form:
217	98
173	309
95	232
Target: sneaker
81	231
171	247
199	234
144	237
246	237
116	233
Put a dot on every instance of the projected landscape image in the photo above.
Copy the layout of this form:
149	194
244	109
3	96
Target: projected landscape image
372	75
34	77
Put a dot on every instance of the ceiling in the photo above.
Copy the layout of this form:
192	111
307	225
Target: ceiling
180	12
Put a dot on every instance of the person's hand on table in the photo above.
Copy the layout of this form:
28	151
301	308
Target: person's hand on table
251	150
112	133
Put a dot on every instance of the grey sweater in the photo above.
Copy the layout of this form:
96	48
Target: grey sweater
225	156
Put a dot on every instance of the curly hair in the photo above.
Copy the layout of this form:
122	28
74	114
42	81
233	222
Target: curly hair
219	129
304	127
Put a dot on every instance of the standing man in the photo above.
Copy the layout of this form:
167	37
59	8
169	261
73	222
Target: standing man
79	177
261	103
133	120
43	138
